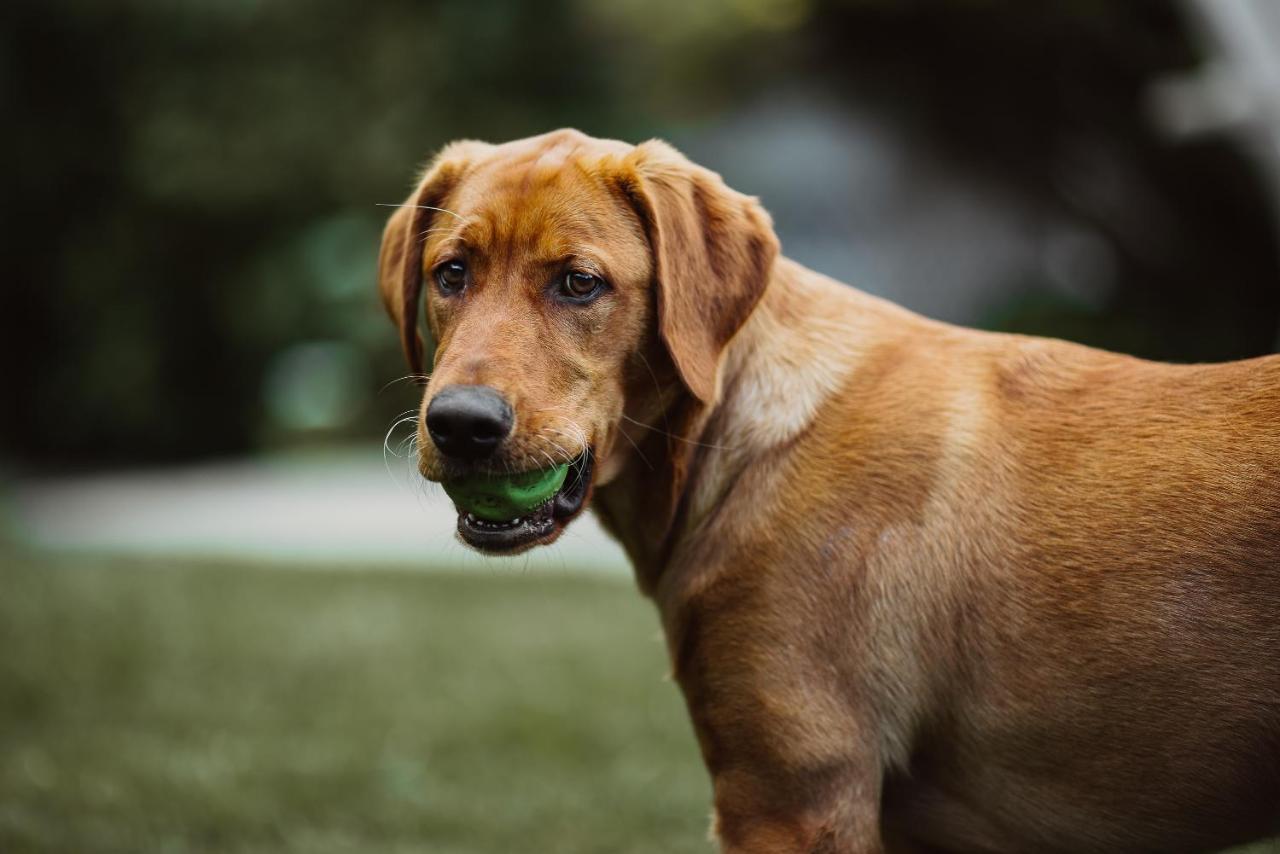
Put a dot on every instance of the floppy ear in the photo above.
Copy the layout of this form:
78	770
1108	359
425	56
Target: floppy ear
713	251
400	258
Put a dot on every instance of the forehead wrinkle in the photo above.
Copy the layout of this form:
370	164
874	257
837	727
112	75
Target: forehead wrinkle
543	218
546	203
479	229
601	174
537	164
470	234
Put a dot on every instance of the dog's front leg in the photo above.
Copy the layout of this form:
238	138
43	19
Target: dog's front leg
795	765
787	815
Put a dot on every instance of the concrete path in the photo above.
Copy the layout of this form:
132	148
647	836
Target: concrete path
336	508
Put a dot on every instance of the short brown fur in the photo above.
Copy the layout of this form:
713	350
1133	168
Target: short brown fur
924	588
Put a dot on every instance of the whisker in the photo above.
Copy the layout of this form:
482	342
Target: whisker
568	458
408	415
412	437
657	388
579	467
679	438
387	438
574	434
639	452
422	207
577	436
423	377
442	242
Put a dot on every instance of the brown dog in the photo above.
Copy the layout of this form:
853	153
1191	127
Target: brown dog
924	588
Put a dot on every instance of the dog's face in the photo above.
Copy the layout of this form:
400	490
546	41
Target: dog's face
547	268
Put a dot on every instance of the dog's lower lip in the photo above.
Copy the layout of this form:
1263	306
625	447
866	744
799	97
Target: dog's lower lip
535	525
573	494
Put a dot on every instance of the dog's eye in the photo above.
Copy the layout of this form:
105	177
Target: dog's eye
451	276
578	286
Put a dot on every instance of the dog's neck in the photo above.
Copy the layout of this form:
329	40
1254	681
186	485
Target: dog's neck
800	345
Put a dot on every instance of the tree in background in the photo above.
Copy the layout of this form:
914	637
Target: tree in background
192	214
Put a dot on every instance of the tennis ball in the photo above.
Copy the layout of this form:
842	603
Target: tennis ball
497	498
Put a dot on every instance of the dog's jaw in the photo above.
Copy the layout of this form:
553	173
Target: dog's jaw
539	527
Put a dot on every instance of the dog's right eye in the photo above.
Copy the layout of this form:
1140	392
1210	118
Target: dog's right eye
451	276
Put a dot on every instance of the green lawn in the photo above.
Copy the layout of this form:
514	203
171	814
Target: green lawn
224	708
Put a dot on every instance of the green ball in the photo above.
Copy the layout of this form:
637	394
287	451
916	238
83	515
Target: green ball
497	498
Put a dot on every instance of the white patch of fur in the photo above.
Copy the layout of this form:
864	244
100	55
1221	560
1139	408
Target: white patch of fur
782	383
776	378
780	376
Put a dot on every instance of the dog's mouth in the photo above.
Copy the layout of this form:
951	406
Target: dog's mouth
538	526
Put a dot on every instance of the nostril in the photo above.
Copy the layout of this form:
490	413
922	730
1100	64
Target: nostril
486	431
439	424
438	433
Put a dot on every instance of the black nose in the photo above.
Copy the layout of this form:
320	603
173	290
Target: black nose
468	421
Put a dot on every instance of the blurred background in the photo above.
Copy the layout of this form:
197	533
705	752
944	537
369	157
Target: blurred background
200	384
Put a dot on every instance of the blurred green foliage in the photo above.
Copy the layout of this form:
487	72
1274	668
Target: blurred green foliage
197	188
194	184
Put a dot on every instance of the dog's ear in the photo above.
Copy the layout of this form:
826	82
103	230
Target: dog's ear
713	250
400	258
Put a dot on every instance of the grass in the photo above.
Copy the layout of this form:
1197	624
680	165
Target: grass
179	708
219	708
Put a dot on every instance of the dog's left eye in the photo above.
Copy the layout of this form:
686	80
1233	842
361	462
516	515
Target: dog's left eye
578	286
451	276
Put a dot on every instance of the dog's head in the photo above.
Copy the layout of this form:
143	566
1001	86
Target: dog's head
547	268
